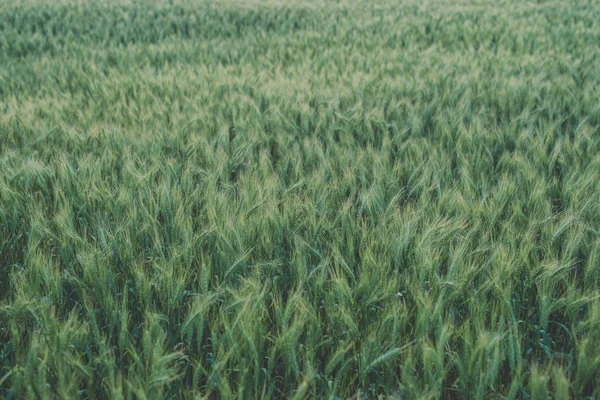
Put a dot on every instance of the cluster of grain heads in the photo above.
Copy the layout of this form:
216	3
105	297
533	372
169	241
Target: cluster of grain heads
310	200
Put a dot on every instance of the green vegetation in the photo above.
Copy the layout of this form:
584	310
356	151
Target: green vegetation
315	199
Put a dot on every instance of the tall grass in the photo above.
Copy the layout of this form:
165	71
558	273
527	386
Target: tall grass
321	199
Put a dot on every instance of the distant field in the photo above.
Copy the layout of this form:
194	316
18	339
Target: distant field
314	199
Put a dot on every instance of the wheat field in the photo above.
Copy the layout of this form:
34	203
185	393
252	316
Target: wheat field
313	199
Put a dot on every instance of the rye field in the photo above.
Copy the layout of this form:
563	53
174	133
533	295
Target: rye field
295	200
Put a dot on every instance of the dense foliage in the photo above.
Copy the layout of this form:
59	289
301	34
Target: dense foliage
308	199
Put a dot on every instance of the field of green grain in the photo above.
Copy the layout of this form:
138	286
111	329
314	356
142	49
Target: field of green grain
312	199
